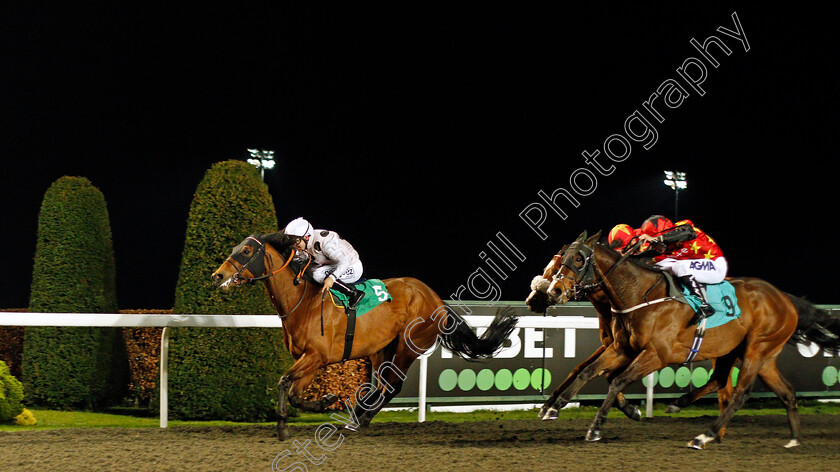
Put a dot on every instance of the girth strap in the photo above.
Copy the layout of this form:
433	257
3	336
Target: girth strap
699	333
351	331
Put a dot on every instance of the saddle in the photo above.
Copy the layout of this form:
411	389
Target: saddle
720	296
375	293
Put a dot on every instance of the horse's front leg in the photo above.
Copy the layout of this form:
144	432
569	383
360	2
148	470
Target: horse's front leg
612	359
549	410
630	410
295	395
282	409
304	367
645	363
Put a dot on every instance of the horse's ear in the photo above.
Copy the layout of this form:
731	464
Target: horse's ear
594	239
582	237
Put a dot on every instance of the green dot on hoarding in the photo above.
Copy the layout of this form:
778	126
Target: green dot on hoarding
829	376
735	372
666	377
466	380
540	376
447	380
682	377
655	379
521	379
699	377
503	379
484	379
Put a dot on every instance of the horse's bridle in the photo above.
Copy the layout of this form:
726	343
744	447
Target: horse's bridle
584	279
258	258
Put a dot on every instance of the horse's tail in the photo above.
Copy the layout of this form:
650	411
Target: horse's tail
816	325
461	340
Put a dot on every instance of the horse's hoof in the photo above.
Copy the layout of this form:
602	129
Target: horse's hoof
634	414
328	400
700	442
672	409
551	414
792	443
593	435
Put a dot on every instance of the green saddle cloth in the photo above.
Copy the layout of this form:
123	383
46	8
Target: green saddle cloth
375	294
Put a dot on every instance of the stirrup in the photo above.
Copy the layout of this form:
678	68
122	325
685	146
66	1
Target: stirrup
354	299
354	296
705	310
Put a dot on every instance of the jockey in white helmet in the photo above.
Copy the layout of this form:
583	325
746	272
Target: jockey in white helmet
337	263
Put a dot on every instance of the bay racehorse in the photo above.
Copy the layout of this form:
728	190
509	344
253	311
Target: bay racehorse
652	330
538	302
392	335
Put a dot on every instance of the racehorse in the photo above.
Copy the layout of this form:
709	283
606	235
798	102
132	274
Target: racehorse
537	302
392	335
652	330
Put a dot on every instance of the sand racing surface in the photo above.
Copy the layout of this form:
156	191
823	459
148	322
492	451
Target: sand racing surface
751	442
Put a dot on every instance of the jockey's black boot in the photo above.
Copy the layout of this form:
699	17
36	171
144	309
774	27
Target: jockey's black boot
697	289
353	296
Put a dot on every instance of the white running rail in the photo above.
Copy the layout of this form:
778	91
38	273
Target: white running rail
117	320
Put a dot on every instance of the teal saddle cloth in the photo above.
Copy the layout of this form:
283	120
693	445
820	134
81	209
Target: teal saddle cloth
722	298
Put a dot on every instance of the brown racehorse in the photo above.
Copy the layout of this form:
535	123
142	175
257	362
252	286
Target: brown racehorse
654	335
392	335
537	302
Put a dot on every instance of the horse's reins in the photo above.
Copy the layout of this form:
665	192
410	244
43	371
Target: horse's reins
700	331
238	279
646	303
582	286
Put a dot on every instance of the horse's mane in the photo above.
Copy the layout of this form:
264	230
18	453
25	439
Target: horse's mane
282	243
279	241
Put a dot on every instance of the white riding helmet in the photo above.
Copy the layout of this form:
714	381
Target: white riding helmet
298	227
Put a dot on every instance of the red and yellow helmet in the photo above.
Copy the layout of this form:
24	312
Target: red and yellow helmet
656	224
620	235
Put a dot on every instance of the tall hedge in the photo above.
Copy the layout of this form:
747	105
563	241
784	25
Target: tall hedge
224	373
73	272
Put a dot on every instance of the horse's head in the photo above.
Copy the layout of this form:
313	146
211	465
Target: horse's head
247	261
576	271
537	300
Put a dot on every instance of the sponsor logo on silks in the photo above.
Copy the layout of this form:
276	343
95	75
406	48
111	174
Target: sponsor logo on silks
702	265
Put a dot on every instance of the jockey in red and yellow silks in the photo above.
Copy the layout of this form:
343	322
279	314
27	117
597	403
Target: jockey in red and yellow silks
689	253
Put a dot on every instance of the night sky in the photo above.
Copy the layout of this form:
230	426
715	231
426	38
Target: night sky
420	132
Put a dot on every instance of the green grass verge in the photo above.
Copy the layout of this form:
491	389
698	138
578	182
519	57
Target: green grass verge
50	419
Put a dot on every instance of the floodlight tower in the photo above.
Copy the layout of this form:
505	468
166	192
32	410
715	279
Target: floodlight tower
262	160
676	180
